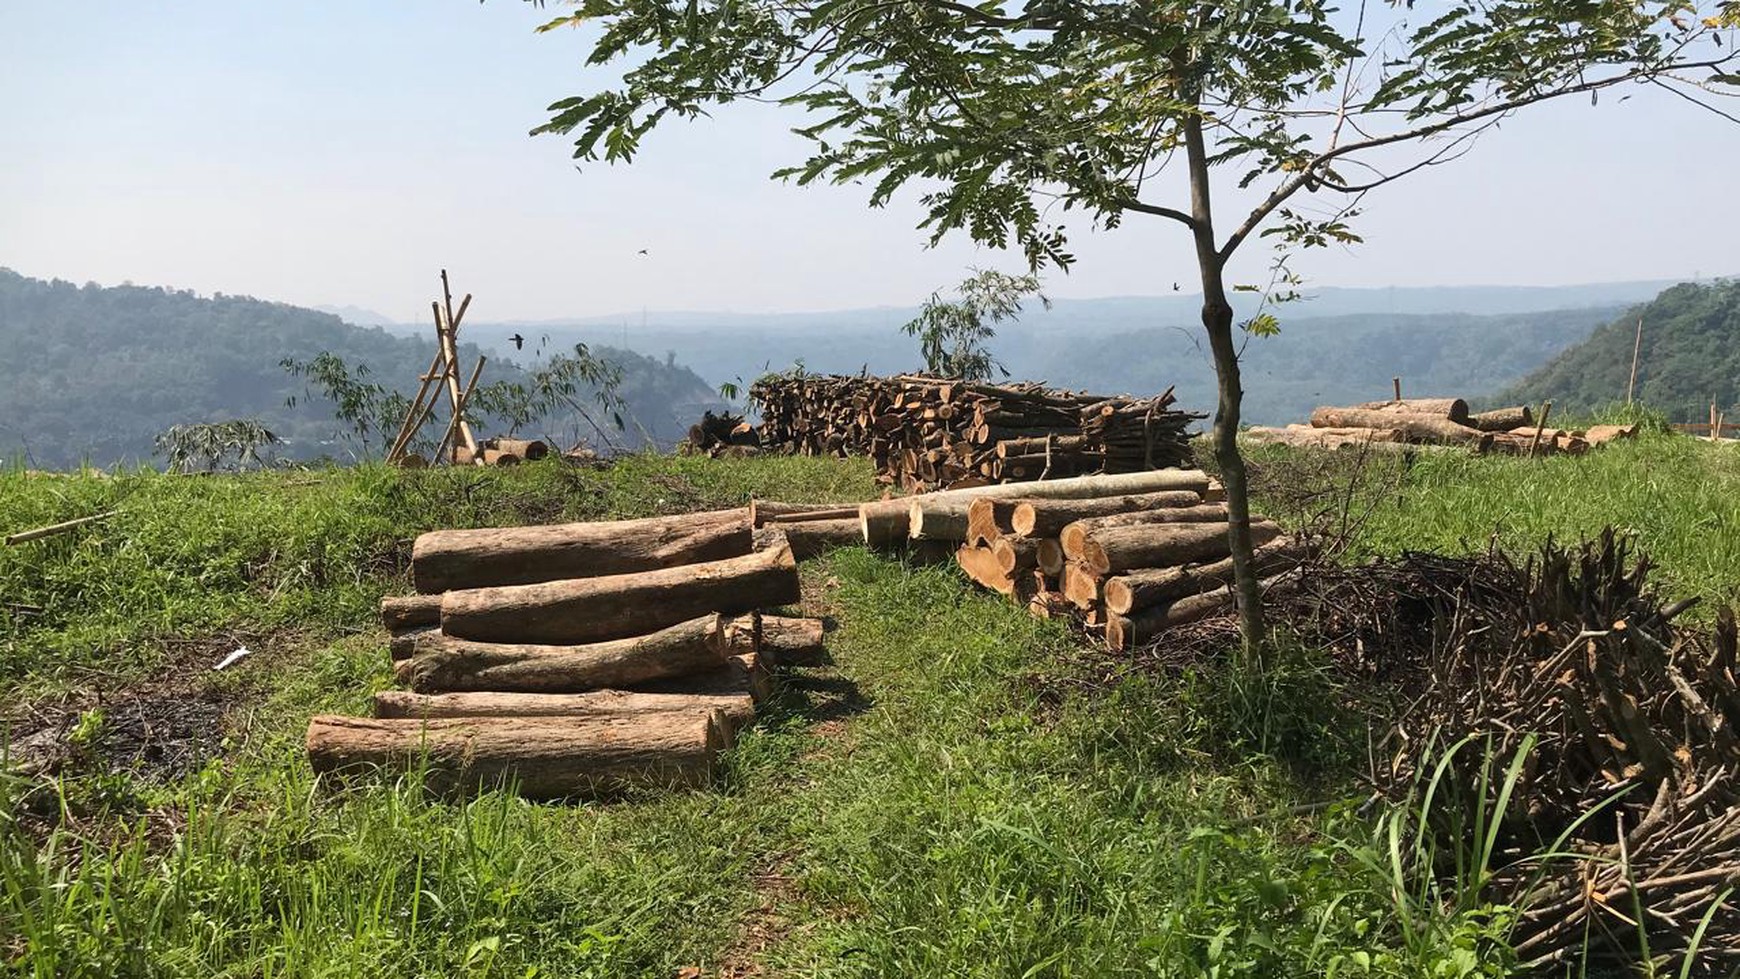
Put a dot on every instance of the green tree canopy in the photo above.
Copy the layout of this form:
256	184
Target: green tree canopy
1006	116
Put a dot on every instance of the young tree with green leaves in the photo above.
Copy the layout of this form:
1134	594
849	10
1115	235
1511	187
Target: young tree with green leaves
953	333
1006	113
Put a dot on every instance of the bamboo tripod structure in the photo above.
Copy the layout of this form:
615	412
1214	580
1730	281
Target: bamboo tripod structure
443	375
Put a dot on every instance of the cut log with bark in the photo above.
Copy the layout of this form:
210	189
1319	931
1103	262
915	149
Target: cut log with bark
1450	409
988	520
1015	554
1047	518
1112	550
390	704
1074	535
542	757
529	450
403	642
1146	588
442	663
1082	587
585	610
890	521
1503	419
763	512
1307	437
1125	632
1416	427
1602	434
981	565
745	674
1050	556
401	612
787	641
445	560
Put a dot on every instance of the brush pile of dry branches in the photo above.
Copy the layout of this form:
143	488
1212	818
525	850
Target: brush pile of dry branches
1626	719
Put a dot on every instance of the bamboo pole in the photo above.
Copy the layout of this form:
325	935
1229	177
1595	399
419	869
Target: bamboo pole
458	421
51	530
1546	410
418	411
1636	348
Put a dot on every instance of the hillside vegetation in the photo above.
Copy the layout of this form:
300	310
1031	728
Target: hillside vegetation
967	792
1690	357
94	374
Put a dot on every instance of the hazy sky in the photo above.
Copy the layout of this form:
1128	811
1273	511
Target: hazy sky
342	152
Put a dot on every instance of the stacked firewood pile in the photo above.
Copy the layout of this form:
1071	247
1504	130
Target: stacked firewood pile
1438	422
1626	721
926	432
578	659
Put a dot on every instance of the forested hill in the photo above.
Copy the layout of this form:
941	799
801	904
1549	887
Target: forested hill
94	373
1690	356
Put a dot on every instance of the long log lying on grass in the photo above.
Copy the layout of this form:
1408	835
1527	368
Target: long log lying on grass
764	512
786	641
1306	437
401	612
1074	535
1451	409
750	674
1425	428
1146	588
445	560
738	708
1047	518
544	757
616	606
441	663
1118	549
810	538
1502	419
889	521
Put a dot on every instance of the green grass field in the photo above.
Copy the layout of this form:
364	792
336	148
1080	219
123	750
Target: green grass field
964	793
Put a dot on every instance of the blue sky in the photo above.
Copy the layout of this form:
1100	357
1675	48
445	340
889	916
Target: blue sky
341	152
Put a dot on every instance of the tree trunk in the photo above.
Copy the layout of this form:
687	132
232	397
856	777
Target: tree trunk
1503	419
442	663
764	512
812	538
1015	554
988	520
545	758
445	560
403	642
786	641
1047	518
1453	409
617	606
980	564
1418	428
392	704
1217	320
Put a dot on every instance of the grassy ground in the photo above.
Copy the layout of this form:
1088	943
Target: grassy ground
964	793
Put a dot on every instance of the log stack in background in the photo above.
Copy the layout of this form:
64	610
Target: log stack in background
1397	425
578	659
925	433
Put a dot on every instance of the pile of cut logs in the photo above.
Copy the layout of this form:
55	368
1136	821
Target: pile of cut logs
926	432
1129	554
1397	424
578	659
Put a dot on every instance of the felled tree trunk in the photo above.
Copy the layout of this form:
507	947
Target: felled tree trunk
1015	554
980	564
441	663
781	640
1141	589
543	757
1074	535
612	607
1502	419
404	642
1117	549
1451	409
1424	428
1047	518
813	538
988	520
764	512
390	704
401	612
446	560
1124	632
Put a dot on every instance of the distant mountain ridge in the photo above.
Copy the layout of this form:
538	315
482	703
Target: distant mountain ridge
95	373
1689	357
